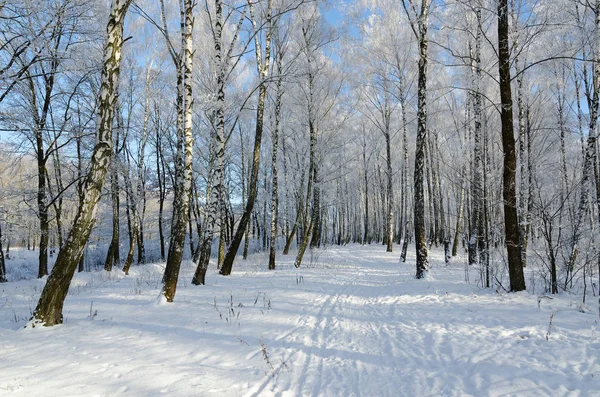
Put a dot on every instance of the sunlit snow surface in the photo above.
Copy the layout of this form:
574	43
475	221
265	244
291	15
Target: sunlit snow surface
351	322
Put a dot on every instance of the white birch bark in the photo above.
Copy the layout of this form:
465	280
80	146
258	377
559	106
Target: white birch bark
49	308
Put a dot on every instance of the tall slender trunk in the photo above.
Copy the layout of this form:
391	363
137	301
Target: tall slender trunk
49	308
477	167
308	225
459	216
437	179
113	256
422	263
290	238
523	201
509	194
315	239
589	149
160	174
80	194
42	209
244	176
263	72
405	167
214	207
141	174
185	147
275	143
287	194
132	204
57	200
3	278
390	193
431	202
366	238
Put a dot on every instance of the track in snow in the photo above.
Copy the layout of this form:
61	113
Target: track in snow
353	322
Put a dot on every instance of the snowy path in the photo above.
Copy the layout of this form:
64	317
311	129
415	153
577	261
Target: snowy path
353	323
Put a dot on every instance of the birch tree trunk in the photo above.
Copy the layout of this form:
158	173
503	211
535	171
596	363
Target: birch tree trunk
308	226
419	28
132	202
185	147
217	171
459	216
141	171
389	177
404	188
275	143
477	166
49	308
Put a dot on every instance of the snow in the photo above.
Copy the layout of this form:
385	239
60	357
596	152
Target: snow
352	321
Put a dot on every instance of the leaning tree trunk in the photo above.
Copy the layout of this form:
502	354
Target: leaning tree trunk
185	147
263	71
49	308
160	175
509	194
308	225
58	199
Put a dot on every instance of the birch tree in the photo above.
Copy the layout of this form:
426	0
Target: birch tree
280	41
419	22
48	311
215	192
185	146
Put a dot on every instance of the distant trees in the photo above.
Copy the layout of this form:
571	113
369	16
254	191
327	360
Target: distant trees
43	99
350	115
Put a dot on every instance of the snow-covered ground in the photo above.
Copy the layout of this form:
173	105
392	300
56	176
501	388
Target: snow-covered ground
352	322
